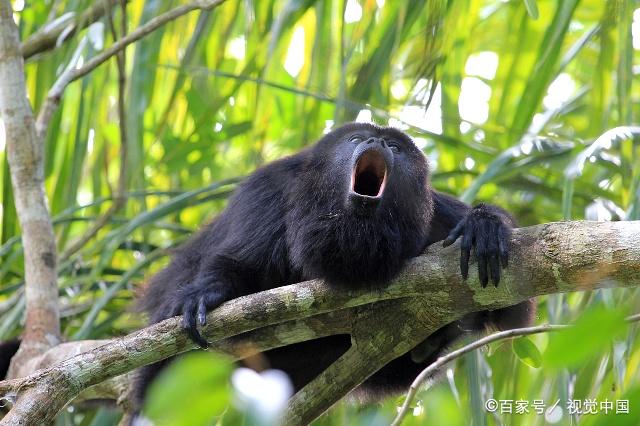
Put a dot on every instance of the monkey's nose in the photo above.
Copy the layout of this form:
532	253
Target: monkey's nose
380	141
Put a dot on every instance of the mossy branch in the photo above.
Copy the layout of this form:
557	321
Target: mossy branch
384	324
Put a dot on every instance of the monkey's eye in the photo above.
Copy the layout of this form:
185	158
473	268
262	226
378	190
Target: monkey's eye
356	139
395	146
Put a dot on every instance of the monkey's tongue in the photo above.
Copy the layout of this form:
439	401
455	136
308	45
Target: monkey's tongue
369	176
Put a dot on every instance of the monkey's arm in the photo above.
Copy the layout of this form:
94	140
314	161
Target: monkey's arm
214	285
485	228
250	256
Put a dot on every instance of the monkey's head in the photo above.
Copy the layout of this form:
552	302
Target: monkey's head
366	206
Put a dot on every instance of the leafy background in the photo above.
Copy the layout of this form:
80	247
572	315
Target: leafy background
526	104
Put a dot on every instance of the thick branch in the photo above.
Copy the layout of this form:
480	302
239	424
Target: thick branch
546	259
25	157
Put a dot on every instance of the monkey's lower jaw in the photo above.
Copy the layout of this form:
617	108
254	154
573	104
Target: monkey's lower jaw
362	205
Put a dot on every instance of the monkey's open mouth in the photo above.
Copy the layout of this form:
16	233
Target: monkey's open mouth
369	176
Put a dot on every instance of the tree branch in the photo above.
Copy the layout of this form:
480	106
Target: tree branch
55	94
445	359
54	33
25	153
546	259
120	196
25	156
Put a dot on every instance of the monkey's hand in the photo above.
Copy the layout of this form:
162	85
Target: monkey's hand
194	302
487	229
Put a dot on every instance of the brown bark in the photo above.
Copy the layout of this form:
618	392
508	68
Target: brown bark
24	151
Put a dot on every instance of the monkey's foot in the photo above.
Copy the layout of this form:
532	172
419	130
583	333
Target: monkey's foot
197	301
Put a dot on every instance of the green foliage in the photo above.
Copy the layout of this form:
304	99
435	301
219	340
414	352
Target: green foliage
438	407
527	352
532	8
632	419
199	381
592	334
514	102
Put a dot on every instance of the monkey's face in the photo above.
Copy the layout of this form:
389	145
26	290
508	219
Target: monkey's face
374	167
361	207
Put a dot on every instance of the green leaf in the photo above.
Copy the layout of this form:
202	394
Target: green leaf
631	419
527	352
545	69
199	381
593	333
532	8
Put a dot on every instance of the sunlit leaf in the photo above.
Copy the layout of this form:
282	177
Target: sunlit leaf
532	8
193	390
527	351
592	334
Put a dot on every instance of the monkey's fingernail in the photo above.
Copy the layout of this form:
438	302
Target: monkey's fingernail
202	314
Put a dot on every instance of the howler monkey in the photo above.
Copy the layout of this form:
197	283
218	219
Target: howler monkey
351	209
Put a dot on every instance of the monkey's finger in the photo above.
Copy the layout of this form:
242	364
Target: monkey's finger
503	244
465	253
197	338
188	319
208	301
464	264
494	269
482	269
482	255
454	234
189	324
202	311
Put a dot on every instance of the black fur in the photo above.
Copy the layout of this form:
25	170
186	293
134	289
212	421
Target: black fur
7	350
305	217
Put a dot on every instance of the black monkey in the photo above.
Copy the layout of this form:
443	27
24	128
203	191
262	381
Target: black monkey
350	209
